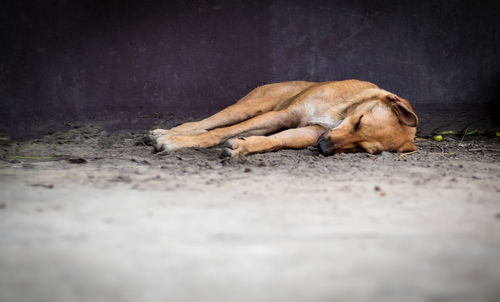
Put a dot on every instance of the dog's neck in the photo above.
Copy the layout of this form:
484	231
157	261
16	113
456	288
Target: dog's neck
344	109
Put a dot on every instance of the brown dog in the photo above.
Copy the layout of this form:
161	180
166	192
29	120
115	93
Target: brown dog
344	116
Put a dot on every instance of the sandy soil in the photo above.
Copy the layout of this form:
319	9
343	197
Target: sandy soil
90	216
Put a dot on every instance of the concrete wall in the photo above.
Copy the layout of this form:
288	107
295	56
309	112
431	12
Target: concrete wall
123	62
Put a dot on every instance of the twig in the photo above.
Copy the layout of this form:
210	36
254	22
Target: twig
464	132
403	156
441	153
442	149
484	149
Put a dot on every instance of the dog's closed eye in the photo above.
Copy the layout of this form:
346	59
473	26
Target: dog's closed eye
356	126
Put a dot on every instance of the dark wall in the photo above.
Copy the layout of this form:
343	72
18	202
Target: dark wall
125	61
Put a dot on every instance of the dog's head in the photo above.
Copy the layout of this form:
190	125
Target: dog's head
375	121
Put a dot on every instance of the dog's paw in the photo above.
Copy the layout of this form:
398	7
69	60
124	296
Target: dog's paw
169	143
158	132
153	135
234	148
158	137
164	144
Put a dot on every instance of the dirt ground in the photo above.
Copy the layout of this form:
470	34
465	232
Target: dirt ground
87	215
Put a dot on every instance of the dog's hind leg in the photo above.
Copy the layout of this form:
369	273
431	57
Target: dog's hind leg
297	138
231	115
260	125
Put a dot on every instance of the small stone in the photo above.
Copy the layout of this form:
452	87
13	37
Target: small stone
77	160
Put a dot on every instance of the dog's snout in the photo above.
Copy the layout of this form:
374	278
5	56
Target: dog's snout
324	146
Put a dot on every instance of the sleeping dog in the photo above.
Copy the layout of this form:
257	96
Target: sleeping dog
340	116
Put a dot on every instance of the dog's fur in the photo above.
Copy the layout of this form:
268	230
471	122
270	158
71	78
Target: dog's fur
343	116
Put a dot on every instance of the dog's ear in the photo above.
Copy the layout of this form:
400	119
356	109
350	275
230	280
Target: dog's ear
403	110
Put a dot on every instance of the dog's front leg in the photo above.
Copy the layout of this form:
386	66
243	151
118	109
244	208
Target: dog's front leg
289	139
